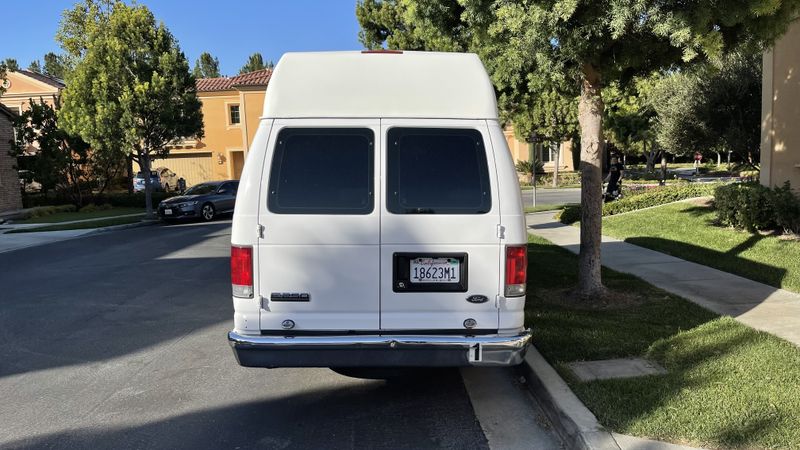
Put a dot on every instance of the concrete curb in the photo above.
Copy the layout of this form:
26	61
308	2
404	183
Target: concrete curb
142	223
572	420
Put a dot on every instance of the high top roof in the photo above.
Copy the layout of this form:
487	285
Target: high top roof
382	84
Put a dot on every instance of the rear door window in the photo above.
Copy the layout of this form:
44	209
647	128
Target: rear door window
437	171
322	171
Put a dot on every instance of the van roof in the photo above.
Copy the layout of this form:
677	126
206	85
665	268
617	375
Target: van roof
380	84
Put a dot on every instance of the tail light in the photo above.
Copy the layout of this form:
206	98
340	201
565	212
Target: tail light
242	271
516	270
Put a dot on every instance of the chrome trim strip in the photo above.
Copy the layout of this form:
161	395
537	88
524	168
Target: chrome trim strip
495	350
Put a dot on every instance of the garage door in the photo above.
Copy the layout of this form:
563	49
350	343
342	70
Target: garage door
193	167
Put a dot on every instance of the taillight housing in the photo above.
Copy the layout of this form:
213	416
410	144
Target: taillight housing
242	271
516	270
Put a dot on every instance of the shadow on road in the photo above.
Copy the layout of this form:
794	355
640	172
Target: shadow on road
103	296
423	414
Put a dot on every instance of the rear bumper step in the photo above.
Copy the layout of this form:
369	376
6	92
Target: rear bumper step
379	351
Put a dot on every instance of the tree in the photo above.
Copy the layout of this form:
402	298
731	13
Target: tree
590	42
712	108
630	118
55	66
11	64
60	157
126	102
254	62
35	66
550	117
206	66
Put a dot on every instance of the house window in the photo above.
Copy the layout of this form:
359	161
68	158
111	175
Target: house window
234	114
549	152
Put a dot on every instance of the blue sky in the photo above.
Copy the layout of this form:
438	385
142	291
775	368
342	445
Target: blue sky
230	30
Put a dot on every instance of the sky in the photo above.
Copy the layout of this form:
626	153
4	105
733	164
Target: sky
228	29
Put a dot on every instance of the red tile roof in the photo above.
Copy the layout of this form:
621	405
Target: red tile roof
257	78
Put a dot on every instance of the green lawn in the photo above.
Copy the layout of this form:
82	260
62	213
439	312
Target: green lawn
70	216
103	222
727	386
686	230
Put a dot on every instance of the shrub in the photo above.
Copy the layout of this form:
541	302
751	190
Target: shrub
526	167
745	205
658	196
564	178
643	199
569	215
41	211
785	207
91	207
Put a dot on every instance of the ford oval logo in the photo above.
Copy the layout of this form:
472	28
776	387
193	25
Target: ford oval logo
477	299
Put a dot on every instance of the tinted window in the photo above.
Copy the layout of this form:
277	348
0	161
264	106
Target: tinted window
437	171
201	189
322	171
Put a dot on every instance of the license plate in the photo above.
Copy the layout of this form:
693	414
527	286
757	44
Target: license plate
435	270
168	212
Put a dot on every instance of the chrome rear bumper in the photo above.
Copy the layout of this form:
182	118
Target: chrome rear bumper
379	350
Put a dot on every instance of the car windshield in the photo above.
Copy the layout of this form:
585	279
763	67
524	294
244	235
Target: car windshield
201	189
153	174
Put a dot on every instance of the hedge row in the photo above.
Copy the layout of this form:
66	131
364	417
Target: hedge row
752	207
123	199
643	199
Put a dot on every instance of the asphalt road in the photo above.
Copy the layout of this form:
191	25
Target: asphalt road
118	341
551	196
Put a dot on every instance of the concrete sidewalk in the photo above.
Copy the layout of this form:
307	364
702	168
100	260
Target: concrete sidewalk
757	305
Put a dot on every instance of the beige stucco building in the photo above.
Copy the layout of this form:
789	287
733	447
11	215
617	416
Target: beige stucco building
547	153
23	85
231	110
780	111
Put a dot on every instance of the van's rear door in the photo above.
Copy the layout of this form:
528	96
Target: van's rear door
318	258
440	214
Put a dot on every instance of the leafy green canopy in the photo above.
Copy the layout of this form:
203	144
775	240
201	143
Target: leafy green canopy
255	62
10	64
206	66
60	157
130	92
713	108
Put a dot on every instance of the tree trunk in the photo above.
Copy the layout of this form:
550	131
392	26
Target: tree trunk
719	160
555	166
129	167
663	168
590	115
144	164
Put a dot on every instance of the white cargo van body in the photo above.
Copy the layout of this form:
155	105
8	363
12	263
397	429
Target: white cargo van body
378	219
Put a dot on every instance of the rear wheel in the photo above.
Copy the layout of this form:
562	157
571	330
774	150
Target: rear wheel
207	212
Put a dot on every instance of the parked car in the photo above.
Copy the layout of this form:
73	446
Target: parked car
205	201
138	181
167	179
380	223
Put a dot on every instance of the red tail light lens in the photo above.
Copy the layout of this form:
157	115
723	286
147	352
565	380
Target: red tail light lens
242	271
516	270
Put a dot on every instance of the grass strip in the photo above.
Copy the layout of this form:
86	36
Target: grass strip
107	222
70	216
727	386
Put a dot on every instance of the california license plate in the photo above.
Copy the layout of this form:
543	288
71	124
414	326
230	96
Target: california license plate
168	212
435	270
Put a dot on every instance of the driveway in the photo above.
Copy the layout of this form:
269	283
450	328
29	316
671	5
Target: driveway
117	340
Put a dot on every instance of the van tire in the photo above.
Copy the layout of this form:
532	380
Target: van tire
207	212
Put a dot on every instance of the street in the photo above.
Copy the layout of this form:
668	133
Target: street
118	340
551	196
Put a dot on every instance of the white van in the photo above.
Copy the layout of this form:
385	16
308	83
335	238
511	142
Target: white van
379	221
